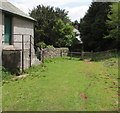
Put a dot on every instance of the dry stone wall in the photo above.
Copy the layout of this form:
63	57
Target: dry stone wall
54	52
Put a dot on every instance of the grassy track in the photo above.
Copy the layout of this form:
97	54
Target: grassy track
64	85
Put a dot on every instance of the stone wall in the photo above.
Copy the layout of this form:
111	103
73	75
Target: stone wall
11	60
54	52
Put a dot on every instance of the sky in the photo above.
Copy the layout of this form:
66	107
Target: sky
76	8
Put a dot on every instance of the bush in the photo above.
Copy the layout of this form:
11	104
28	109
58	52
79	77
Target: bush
50	46
41	45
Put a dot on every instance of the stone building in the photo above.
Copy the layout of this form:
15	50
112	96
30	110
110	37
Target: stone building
16	37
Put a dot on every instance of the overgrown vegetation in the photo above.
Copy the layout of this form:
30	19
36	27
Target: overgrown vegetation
64	84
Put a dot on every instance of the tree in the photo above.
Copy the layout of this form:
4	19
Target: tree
113	23
93	27
63	15
46	26
75	23
64	33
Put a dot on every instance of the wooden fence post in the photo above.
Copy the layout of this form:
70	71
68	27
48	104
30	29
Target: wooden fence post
82	55
91	55
116	53
70	55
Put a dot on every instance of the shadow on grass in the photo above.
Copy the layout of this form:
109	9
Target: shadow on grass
95	58
73	58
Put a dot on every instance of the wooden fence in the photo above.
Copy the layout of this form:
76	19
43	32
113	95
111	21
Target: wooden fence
95	55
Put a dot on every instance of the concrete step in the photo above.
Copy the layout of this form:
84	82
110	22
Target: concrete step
10	47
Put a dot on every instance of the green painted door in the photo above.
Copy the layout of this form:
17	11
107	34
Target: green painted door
7	29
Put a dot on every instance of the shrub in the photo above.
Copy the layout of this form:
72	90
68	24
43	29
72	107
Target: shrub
41	45
50	46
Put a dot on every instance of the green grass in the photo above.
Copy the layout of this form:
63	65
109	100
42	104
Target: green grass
62	84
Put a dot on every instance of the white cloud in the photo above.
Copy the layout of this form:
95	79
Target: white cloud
21	7
75	13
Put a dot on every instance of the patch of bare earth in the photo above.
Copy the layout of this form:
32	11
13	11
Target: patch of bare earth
20	76
103	109
83	96
82	108
89	76
87	61
118	109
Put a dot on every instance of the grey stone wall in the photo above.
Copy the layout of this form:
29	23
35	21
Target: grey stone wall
54	52
11	60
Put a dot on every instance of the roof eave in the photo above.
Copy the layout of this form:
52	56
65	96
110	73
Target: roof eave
31	19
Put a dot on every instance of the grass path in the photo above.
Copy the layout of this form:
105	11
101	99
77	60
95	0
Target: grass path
64	85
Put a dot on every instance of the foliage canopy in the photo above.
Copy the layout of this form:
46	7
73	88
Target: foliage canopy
53	27
93	27
113	23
